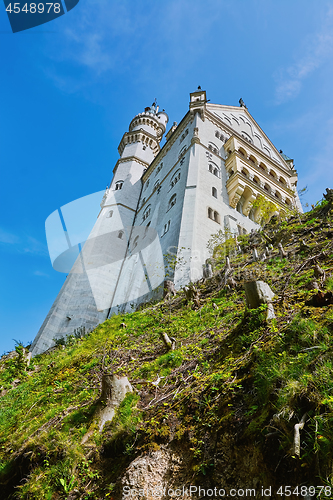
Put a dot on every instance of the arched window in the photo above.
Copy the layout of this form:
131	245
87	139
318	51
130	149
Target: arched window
166	228
214	169
146	213
272	174
119	185
172	201
213	148
252	160
214	192
182	152
251	214
283	181
256	180
159	168
263	167
245	172
267	188
110	213
242	152
277	195
135	242
175	179
146	229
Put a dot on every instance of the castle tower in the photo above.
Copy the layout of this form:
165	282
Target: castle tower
87	294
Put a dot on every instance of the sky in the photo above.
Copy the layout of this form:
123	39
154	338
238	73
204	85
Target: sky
69	89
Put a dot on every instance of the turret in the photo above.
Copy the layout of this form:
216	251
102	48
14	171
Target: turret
145	133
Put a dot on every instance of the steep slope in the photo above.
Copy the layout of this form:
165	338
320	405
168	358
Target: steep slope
219	411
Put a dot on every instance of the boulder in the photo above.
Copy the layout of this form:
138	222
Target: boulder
258	293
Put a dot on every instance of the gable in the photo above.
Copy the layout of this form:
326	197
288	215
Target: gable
240	120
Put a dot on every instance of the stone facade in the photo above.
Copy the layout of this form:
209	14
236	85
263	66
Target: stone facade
164	204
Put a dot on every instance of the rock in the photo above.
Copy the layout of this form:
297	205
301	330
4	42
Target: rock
258	293
150	476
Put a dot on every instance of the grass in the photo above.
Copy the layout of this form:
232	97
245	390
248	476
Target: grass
232	374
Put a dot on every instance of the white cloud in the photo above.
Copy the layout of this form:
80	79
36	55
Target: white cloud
41	274
8	238
318	48
35	247
22	244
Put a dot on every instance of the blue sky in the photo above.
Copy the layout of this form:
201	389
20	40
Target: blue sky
69	88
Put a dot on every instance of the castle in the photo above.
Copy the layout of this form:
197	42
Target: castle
163	205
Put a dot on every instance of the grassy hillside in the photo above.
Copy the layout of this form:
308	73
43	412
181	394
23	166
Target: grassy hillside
234	387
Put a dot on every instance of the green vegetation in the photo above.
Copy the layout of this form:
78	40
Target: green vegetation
233	378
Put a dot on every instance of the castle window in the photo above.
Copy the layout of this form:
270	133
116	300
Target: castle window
175	179
239	206
166	228
110	213
246	137
212	214
182	152
146	213
119	185
135	242
251	214
172	201
120	235
214	169
146	229
214	192
159	168
183	136
212	147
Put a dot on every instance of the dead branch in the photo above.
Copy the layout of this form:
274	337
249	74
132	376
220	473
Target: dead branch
169	342
297	437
